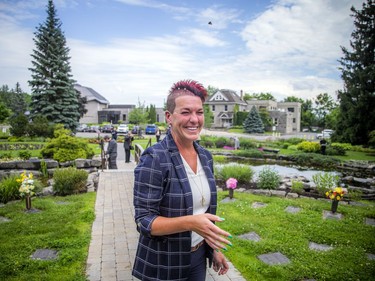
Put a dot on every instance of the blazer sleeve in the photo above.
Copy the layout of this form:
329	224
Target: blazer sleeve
148	192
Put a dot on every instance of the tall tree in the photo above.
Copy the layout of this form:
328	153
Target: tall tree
357	100
52	86
15	99
253	122
324	104
152	114
138	115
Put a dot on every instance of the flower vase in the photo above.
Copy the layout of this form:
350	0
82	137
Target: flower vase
334	206
28	202
231	191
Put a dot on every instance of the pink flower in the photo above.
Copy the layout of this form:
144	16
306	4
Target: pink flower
231	183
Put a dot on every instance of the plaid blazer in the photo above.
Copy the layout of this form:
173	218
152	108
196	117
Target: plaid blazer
161	188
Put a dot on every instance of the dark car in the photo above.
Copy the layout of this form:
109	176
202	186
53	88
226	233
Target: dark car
151	129
107	129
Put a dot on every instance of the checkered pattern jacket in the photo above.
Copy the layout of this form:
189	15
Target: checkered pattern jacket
161	188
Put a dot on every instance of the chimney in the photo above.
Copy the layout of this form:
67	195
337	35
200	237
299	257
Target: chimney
241	95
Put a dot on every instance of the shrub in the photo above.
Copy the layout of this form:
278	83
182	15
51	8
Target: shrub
6	155
221	142
335	150
219	159
9	188
247	143
268	178
251	153
65	147
313	159
308	146
297	187
69	181
24	154
325	181
242	173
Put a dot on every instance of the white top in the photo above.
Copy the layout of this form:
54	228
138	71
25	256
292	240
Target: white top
201	194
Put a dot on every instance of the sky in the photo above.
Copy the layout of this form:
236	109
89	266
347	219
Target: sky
133	51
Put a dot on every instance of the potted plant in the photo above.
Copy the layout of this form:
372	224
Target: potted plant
231	184
27	188
335	195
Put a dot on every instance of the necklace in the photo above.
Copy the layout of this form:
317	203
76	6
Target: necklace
194	185
203	200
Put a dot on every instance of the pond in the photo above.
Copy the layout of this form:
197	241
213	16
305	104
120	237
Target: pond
284	171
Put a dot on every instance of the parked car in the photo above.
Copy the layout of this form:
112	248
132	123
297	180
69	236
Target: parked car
151	129
107	128
82	128
122	129
94	129
325	134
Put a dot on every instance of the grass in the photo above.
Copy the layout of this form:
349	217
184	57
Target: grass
290	235
62	227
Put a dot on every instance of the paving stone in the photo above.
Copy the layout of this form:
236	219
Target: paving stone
258	205
319	247
292	209
330	215
62	203
228	200
274	258
371	257
370	221
250	236
4	219
44	254
32	211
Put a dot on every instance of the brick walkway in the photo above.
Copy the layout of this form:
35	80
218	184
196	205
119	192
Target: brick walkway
114	235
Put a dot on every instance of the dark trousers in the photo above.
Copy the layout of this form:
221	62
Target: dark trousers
112	165
198	264
127	155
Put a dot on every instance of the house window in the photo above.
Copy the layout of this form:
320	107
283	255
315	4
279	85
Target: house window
294	120
219	97
124	117
225	108
291	109
275	121
157	118
213	108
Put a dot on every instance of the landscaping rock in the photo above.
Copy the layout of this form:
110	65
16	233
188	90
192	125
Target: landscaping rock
250	236
319	247
44	254
274	258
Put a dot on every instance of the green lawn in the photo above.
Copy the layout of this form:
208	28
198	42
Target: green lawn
63	224
290	235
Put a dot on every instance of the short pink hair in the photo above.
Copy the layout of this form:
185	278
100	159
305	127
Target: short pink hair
185	87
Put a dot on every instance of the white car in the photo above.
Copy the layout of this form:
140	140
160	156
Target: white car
325	134
122	129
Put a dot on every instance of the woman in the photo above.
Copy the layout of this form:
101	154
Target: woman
175	197
128	139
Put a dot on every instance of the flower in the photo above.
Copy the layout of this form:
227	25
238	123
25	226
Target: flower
336	194
27	184
231	183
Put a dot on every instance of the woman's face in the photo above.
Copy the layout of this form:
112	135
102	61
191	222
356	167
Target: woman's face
187	119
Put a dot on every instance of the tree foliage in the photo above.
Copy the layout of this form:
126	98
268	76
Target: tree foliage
15	100
253	123
324	104
357	100
260	96
138	115
52	86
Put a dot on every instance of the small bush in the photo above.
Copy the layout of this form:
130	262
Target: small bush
242	173
297	187
251	153
219	159
308	146
9	188
325	182
221	142
335	150
247	143
24	154
6	155
268	179
69	181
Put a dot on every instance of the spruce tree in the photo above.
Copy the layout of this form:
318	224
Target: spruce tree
357	101
52	86
253	123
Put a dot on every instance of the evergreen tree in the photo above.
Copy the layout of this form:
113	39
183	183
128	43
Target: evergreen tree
357	101
208	116
15	99
53	93
253	122
152	114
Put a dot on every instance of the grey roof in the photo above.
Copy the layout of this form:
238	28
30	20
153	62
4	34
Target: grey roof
90	94
230	95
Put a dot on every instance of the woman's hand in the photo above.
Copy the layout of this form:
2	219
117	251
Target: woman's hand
219	263
214	235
